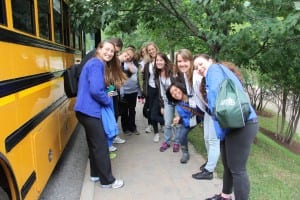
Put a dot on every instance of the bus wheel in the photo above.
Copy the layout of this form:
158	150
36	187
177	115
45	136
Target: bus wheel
3	194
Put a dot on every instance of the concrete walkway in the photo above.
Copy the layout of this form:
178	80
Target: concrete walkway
150	174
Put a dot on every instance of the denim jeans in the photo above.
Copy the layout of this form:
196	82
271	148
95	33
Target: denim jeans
169	111
212	143
183	135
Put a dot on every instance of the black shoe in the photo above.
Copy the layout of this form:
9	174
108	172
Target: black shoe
202	166
218	197
203	175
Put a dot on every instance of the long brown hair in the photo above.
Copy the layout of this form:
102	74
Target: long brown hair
113	72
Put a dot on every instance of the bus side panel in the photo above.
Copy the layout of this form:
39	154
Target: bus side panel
8	118
21	160
46	149
39	97
5	69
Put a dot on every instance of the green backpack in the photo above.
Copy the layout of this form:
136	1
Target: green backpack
232	105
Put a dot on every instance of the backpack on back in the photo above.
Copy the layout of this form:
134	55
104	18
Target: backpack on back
232	105
71	79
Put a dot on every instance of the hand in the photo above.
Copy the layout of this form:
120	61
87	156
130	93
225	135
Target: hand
176	120
162	111
110	94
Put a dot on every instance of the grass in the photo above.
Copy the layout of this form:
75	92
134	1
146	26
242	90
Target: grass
274	171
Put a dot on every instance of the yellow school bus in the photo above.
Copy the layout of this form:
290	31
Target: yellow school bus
36	118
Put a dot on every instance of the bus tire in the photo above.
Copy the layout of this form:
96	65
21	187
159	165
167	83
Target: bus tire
3	194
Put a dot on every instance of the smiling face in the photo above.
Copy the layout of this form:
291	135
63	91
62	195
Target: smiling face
176	93
105	51
160	62
151	50
184	65
202	64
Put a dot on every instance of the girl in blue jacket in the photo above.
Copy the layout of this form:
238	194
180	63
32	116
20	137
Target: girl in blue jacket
188	115
235	143
92	97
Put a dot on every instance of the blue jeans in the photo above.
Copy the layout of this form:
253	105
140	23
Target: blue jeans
169	111
183	135
212	143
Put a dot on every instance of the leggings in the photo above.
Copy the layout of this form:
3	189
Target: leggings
235	149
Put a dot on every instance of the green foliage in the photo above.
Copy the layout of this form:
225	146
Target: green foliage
274	171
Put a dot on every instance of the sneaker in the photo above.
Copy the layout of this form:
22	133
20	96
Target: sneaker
218	197
202	166
112	155
148	129
156	137
118	183
112	148
94	179
176	147
164	147
203	175
119	140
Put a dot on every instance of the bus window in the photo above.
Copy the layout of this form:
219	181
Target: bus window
57	21
23	15
2	13
44	19
66	25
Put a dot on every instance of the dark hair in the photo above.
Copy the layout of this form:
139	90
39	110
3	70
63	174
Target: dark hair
179	86
117	42
168	65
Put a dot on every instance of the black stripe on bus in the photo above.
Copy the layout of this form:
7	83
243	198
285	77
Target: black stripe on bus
28	184
17	38
13	139
12	86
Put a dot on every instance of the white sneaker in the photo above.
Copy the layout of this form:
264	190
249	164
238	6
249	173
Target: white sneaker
119	140
118	183
112	148
156	137
148	129
94	179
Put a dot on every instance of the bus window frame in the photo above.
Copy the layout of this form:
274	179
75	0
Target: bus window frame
3	19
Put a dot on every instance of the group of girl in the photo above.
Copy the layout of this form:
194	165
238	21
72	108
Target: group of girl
190	87
185	94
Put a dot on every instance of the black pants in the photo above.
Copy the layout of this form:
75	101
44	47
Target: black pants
127	110
235	149
154	108
100	164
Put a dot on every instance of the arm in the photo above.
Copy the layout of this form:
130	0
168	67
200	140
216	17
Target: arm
214	78
97	86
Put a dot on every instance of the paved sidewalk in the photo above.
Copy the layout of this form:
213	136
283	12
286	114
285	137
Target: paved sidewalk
150	174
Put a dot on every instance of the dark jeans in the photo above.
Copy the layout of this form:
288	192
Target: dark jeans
127	110
235	149
100	164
